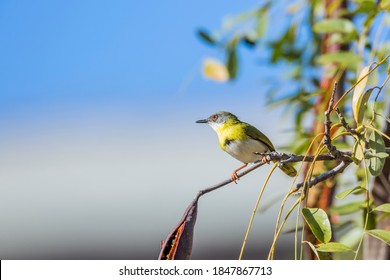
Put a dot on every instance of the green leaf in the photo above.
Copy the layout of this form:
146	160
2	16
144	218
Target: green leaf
344	58
369	155
325	256
341	38
348	208
360	96
376	146
382	155
358	151
369	219
318	222
333	247
381	234
206	37
232	63
366	7
334	25
383	208
345	193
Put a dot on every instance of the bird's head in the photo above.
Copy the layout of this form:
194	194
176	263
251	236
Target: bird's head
220	120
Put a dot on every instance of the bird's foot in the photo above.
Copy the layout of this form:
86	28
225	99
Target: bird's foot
265	159
234	177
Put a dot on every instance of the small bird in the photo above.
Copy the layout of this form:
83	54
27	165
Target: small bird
242	141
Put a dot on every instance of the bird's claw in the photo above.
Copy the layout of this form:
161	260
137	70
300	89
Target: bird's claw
265	160
234	177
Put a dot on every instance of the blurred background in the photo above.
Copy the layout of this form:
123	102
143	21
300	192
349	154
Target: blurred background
99	151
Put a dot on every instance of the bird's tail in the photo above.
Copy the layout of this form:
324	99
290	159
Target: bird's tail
289	170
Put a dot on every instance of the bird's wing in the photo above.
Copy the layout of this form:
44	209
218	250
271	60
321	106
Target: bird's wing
256	134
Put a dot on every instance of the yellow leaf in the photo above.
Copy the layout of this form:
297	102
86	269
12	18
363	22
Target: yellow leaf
358	94
215	70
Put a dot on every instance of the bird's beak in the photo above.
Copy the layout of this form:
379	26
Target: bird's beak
202	121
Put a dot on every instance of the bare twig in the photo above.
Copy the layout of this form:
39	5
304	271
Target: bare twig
284	158
327	139
324	176
228	181
287	158
347	127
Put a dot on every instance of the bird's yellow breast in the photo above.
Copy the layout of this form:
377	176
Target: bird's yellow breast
227	133
233	140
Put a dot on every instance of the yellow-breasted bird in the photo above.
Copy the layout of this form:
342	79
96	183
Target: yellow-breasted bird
242	140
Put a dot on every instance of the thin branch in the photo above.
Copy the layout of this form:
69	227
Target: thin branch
284	158
327	139
347	127
324	176
287	158
228	181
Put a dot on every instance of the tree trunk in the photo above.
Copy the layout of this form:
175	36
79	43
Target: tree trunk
322	194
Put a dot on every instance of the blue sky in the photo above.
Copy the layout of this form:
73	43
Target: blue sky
98	101
99	51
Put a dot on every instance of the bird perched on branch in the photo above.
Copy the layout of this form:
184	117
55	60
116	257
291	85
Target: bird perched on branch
242	141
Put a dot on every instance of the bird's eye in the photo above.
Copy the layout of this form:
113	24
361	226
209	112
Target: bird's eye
214	117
